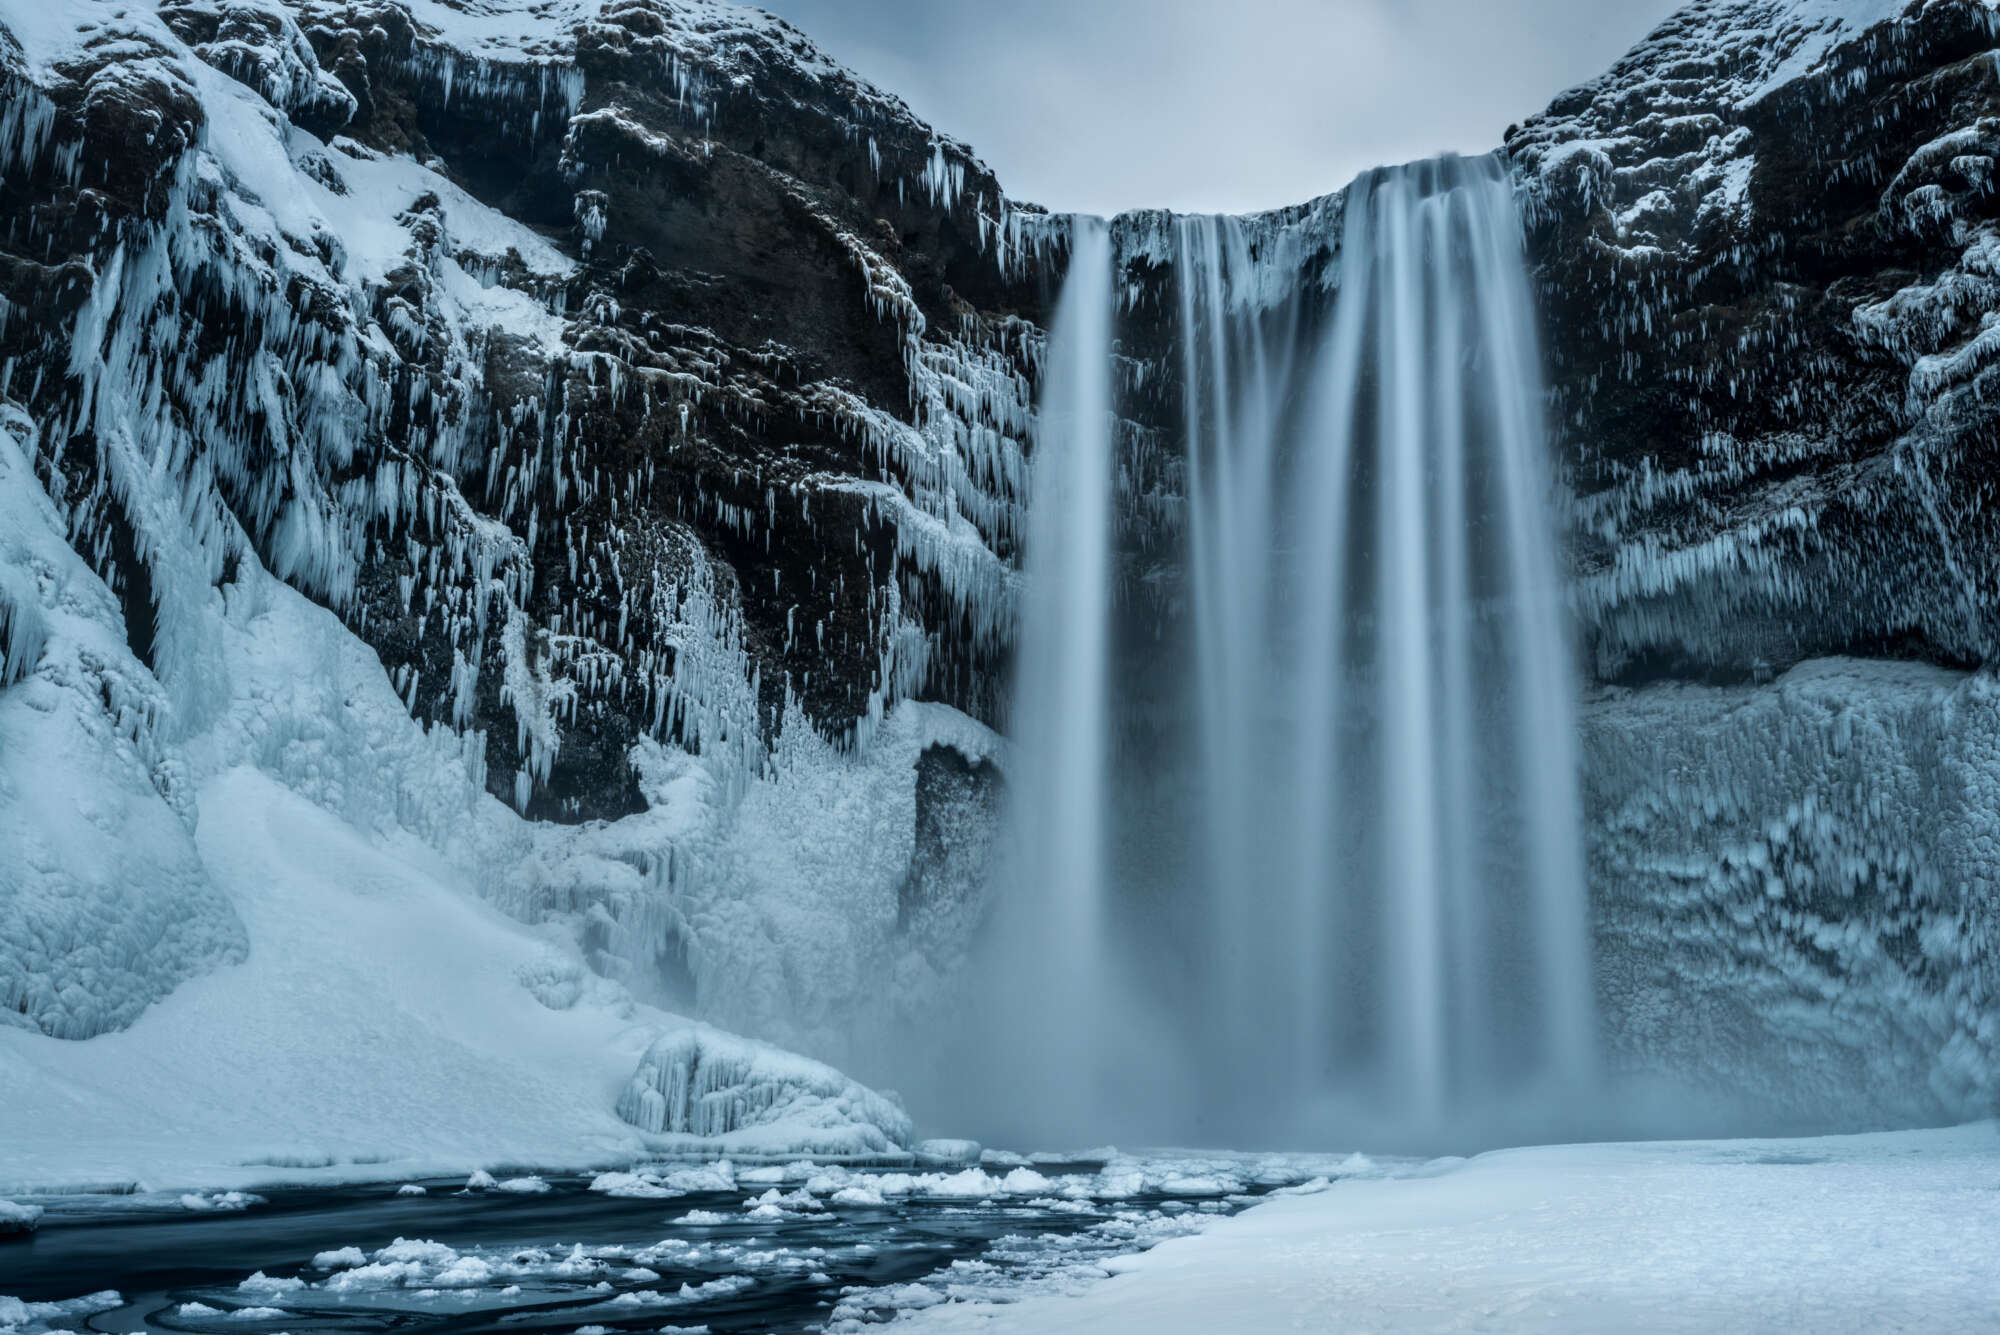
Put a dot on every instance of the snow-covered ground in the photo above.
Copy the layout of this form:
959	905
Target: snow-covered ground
1853	1233
384	1024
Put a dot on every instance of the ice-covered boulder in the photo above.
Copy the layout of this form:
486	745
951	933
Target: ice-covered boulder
749	1097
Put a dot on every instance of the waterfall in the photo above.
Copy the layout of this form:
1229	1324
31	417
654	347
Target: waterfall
1393	873
1371	915
1047	966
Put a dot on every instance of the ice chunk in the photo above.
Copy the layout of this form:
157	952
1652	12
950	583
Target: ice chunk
221	1200
16	1219
703	1083
858	1195
268	1284
947	1153
343	1258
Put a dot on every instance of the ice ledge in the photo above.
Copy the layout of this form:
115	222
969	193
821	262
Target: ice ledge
733	1095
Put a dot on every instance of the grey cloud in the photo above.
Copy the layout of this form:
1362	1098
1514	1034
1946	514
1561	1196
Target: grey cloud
1102	105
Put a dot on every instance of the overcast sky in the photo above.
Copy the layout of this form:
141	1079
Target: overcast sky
1231	105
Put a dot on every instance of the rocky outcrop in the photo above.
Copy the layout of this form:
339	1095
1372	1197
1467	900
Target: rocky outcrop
1767	245
633	374
1769	250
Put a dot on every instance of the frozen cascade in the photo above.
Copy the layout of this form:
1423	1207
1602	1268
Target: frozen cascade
1395	860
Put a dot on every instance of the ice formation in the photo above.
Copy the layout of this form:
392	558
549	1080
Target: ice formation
706	1086
1795	893
419	446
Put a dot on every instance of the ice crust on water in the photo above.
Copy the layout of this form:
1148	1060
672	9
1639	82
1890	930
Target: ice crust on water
619	1282
25	1318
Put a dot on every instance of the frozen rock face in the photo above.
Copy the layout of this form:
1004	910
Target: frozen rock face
1768	242
616	372
701	1085
639	388
1796	889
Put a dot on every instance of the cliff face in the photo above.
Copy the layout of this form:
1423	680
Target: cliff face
652	399
630	380
678	369
1767	245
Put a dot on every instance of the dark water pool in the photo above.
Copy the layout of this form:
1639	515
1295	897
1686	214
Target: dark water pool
763	1256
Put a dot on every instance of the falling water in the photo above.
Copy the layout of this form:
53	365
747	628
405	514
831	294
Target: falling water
1370	910
1393	873
1051	921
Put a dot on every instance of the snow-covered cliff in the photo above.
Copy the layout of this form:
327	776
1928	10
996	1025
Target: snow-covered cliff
608	371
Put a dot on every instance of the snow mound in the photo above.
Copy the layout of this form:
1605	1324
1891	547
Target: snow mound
106	906
710	1086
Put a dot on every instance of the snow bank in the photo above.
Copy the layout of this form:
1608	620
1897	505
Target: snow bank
739	1096
380	1026
1839	1235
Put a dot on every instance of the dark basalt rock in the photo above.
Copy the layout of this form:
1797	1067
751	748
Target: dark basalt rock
1765	304
958	801
789	296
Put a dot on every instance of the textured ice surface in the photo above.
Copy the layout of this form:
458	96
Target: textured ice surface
104	905
1795	889
714	1087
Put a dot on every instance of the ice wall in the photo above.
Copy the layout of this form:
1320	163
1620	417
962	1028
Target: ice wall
1795	891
